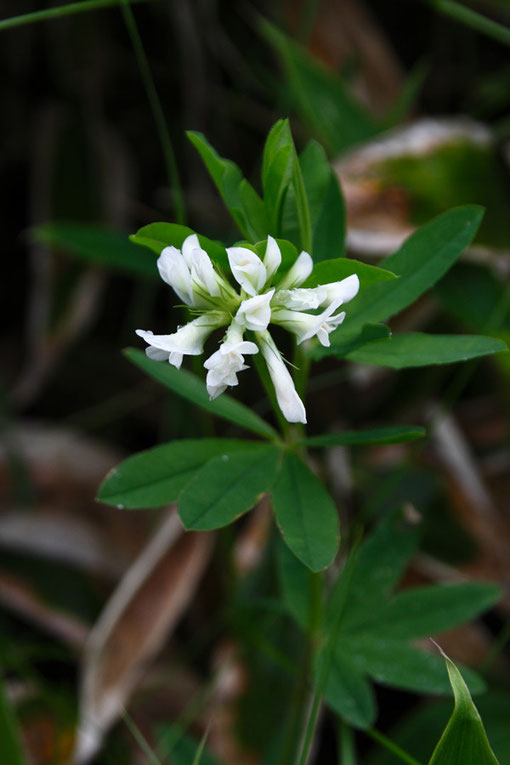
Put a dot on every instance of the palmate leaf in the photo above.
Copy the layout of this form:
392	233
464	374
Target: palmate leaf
464	741
190	387
157	476
370	638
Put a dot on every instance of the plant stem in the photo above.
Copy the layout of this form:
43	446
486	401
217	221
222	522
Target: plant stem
391	746
59	12
347	751
157	112
473	19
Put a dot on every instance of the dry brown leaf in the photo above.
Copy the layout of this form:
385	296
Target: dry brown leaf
135	624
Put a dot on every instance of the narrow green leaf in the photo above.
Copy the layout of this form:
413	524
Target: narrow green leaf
98	245
340	268
425	611
464	741
396	434
156	477
326	204
157	236
350	340
349	693
380	563
190	387
228	486
421	261
417	349
11	752
320	96
233	188
398	664
306	514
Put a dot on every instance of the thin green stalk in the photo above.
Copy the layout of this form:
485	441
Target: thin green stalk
346	748
303	210
59	12
473	20
157	112
313	716
142	742
391	746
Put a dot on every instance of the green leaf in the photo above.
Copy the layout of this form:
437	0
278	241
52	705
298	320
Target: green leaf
157	236
380	563
235	190
349	693
98	245
350	340
421	261
306	514
190	387
326	204
396	663
228	486
11	752
320	96
425	611
417	349
340	268
156	477
396	434
464	741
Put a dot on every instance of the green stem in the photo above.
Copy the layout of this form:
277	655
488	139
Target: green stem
157	112
473	19
59	12
347	750
303	210
391	746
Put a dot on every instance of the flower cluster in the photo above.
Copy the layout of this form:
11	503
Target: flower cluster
263	298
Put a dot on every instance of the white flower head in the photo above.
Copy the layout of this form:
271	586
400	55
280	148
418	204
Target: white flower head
288	400
248	269
255	313
225	363
195	279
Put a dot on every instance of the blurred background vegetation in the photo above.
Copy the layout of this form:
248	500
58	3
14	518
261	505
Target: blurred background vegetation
83	165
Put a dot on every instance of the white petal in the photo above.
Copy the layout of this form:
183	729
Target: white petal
189	339
341	292
202	271
288	400
190	244
156	354
300	299
255	313
272	258
174	271
298	273
247	268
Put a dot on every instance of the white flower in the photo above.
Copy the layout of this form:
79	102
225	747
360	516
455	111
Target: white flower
306	325
247	268
301	299
272	258
174	270
188	340
288	400
298	273
225	363
255	313
340	292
